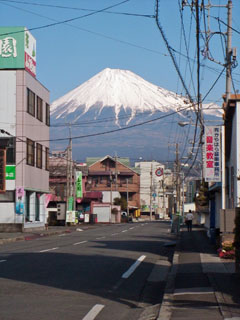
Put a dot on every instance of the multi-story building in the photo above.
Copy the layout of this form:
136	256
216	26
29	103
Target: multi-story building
112	174
24	134
155	187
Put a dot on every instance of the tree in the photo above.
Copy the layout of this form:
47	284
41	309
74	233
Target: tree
122	202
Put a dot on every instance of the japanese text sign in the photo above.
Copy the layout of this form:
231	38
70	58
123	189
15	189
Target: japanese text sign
17	49
212	153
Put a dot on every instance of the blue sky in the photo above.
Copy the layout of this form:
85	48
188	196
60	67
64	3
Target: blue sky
67	55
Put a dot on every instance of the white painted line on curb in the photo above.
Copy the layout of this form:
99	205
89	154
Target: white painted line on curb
91	315
2	261
202	290
79	242
46	250
133	267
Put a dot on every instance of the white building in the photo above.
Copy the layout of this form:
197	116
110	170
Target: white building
155	182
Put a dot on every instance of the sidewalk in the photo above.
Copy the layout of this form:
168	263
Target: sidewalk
200	285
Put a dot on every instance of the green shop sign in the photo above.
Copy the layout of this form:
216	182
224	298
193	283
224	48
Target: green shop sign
17	49
12	47
79	184
10	172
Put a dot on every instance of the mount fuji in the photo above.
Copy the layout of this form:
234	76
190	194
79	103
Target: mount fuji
117	111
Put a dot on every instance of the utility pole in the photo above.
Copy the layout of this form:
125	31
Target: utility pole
151	190
177	181
228	92
127	200
69	170
116	173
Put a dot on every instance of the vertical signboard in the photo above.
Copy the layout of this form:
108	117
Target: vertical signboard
17	49
2	170
30	53
79	184
20	200
212	153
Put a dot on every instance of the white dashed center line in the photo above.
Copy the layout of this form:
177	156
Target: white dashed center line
2	261
79	242
133	267
94	312
46	250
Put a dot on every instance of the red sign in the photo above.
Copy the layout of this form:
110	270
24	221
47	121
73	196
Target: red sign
30	65
159	172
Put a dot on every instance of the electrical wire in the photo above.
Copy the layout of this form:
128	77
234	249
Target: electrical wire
91	32
67	20
78	9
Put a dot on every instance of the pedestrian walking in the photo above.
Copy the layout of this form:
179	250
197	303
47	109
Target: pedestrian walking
188	220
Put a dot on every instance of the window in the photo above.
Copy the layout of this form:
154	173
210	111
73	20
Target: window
11	151
37	207
39	109
47	114
30	152
8	196
39	156
31	102
47	158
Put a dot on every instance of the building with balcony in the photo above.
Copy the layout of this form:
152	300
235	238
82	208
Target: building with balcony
112	174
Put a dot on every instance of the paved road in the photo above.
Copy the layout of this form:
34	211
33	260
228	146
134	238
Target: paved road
111	272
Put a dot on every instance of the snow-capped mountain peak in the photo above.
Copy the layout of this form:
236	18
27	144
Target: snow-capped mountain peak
118	89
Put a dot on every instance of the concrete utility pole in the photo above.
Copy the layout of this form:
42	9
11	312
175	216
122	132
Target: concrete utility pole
178	201
228	92
127	200
69	168
151	190
116	173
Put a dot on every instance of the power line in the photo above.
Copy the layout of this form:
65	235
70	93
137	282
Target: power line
121	129
79	9
90	31
219	20
68	20
171	52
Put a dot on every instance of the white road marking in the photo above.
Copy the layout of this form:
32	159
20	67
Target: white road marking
79	242
124	231
94	312
100	238
203	290
114	234
2	261
62	235
133	267
131	228
48	249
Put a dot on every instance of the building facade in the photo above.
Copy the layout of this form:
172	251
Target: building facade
24	136
155	188
111	174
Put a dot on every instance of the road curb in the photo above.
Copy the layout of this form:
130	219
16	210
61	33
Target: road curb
34	236
165	311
